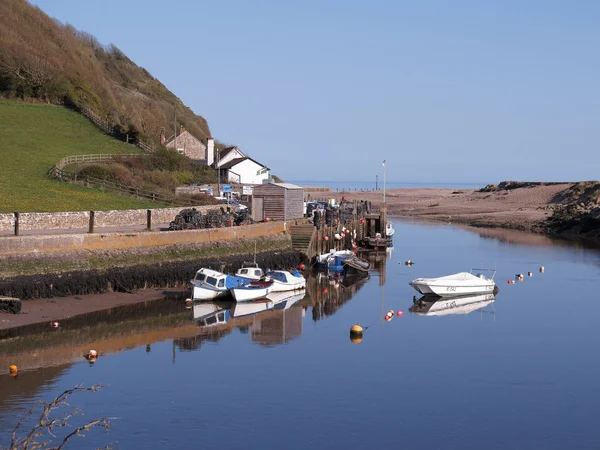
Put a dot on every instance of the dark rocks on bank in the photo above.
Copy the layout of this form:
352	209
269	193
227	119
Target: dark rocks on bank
128	279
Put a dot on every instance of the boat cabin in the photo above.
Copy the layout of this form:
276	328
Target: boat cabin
210	315
255	273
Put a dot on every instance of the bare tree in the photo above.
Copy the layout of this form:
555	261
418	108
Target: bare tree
42	434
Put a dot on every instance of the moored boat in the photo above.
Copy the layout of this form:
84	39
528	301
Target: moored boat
356	265
286	281
462	283
210	284
252	291
285	299
332	261
251	271
389	229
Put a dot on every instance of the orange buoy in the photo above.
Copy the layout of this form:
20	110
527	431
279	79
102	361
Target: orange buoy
301	266
12	369
399	313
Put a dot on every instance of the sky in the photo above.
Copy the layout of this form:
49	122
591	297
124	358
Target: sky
443	90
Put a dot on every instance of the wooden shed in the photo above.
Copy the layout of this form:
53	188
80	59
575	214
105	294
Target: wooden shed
278	201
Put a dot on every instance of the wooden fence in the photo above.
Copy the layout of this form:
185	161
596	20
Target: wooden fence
109	129
57	171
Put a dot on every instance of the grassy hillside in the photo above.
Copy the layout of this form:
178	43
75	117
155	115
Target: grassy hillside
42	59
32	139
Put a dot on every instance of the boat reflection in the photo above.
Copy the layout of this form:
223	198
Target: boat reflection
327	294
437	306
271	321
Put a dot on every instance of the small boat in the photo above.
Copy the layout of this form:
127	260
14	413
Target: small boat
389	229
435	306
330	261
356	265
251	271
377	243
252	291
462	283
210	284
286	281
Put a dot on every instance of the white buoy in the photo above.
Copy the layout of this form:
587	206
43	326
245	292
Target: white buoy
541	269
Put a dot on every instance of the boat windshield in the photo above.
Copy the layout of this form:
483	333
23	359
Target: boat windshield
211	280
200	277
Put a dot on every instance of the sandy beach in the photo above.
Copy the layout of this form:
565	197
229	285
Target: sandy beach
520	209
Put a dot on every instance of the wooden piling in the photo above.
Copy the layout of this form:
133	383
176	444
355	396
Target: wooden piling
91	228
16	224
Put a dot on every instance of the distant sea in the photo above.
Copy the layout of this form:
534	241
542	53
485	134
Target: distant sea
370	185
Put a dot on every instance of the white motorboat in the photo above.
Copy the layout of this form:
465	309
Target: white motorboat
389	229
435	306
286	281
251	271
462	283
252	291
332	261
210	284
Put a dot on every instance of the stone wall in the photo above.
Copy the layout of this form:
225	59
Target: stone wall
49	243
81	219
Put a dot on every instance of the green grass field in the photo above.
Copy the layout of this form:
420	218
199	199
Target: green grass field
32	139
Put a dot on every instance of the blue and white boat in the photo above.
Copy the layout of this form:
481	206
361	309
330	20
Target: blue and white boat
332	261
210	284
211	314
286	281
252	291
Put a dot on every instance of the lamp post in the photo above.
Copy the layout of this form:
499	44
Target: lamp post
384	184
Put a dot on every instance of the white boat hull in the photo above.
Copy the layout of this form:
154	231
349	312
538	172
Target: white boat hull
278	286
202	292
457	305
246	294
454	285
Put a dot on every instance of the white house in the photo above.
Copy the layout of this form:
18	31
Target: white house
235	167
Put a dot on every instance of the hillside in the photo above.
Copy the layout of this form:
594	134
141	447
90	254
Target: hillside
44	60
33	138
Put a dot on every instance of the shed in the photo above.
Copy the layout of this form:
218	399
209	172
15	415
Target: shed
278	201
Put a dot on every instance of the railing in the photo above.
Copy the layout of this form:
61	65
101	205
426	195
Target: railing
57	171
109	128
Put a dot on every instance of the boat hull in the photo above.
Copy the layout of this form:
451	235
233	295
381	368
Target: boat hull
287	287
248	294
451	290
201	292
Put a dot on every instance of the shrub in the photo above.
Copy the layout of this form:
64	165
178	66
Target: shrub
101	171
183	177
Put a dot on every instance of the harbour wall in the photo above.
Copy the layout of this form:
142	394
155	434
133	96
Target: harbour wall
80	219
53	243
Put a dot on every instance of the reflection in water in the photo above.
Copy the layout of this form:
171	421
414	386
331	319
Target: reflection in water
271	321
436	306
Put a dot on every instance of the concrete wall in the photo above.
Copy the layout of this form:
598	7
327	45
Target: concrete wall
81	219
21	245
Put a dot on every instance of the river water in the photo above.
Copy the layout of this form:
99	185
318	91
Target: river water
518	372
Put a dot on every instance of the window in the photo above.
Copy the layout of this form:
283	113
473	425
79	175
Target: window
212	281
221	282
200	277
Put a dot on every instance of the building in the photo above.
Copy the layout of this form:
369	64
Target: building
277	201
235	167
187	144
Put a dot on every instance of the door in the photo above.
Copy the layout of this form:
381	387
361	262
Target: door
258	209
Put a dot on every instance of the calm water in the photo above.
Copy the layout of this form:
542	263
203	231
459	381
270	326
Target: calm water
520	372
371	185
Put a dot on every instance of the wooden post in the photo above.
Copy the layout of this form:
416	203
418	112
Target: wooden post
16	224
148	219
92	214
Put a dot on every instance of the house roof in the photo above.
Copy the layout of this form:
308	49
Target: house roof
288	185
236	161
223	153
181	133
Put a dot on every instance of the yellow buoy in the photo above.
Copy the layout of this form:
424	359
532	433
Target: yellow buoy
13	369
356	331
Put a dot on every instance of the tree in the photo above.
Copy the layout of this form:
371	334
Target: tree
42	434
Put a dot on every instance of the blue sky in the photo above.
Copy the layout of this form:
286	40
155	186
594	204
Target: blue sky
445	91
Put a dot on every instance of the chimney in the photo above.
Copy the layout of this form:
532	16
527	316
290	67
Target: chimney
162	136
210	151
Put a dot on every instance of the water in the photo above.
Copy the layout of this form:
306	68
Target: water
371	185
518	373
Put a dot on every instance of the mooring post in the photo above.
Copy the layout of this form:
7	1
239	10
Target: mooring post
92	214
148	219
16	224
